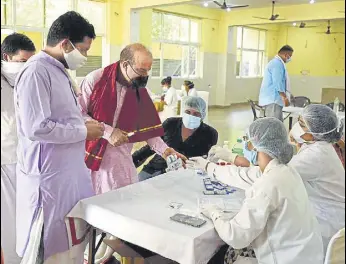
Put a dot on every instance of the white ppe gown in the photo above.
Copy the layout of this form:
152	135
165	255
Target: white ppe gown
276	218
324	177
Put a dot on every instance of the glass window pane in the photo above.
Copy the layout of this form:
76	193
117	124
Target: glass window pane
249	66
262	43
185	59
156	30
193	61
239	36
156	67
94	61
260	63
194	32
3	14
29	13
172	59
95	13
54	9
184	29
170	29
237	67
250	38
6	13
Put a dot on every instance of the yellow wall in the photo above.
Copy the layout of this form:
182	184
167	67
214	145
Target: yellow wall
36	37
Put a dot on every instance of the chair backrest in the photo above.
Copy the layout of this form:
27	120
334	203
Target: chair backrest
301	101
341	106
255	107
336	249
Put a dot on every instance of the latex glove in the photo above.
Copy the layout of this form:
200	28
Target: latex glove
198	163
212	212
171	151
217	153
118	137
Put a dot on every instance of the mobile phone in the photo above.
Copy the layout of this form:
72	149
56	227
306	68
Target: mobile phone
208	192
188	220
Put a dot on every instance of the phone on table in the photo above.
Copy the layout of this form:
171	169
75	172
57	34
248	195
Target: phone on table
188	220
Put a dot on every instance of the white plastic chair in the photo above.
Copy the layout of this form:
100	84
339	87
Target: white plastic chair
336	249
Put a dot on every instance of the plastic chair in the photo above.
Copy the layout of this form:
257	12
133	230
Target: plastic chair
336	249
341	106
300	101
255	107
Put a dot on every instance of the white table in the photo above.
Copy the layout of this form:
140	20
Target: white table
140	214
295	112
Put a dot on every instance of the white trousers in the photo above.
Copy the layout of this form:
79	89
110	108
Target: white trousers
8	214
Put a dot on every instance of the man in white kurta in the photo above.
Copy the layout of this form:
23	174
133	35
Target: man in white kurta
16	49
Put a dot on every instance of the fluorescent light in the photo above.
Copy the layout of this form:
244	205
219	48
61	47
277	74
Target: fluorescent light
206	4
6	31
294	24
228	9
312	1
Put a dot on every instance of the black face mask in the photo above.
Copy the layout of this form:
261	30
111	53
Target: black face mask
139	82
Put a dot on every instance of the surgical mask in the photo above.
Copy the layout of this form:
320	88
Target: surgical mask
10	70
296	132
250	155
288	59
190	121
165	89
75	59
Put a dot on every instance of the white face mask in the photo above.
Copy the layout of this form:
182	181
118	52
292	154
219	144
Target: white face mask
10	70
75	59
190	121
296	132
165	89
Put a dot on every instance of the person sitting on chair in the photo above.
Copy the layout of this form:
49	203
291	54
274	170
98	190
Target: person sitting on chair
187	134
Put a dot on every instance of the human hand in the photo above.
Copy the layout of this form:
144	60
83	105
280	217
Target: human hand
217	153
212	212
197	163
95	129
171	151
286	101
118	137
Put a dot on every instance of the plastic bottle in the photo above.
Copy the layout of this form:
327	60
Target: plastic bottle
336	105
225	144
238	147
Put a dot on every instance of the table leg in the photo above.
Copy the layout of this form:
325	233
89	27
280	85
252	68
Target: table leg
290	121
92	242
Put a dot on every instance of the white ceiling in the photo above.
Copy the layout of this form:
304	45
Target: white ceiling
256	3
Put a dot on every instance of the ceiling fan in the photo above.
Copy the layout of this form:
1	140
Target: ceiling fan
329	32
303	25
224	6
273	16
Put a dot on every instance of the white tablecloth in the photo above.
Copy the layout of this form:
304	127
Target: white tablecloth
140	214
295	111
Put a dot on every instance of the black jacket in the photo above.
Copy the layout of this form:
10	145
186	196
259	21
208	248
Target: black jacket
198	144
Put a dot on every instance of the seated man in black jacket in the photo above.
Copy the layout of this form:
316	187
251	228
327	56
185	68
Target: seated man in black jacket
187	135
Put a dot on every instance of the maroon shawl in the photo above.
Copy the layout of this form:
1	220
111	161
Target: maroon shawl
135	116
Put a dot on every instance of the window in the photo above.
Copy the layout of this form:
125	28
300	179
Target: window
175	46
250	52
34	17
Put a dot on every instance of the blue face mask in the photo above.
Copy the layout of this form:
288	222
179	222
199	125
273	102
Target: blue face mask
250	155
190	121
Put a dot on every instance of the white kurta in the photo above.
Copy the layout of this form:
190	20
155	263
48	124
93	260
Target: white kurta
9	143
276	217
324	177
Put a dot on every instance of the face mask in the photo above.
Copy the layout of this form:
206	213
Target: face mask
288	59
296	132
165	89
139	82
190	121
75	59
250	155
10	70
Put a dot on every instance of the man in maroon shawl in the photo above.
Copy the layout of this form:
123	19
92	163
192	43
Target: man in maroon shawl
116	96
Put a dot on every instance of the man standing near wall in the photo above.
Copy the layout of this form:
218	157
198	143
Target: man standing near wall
275	85
16	49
